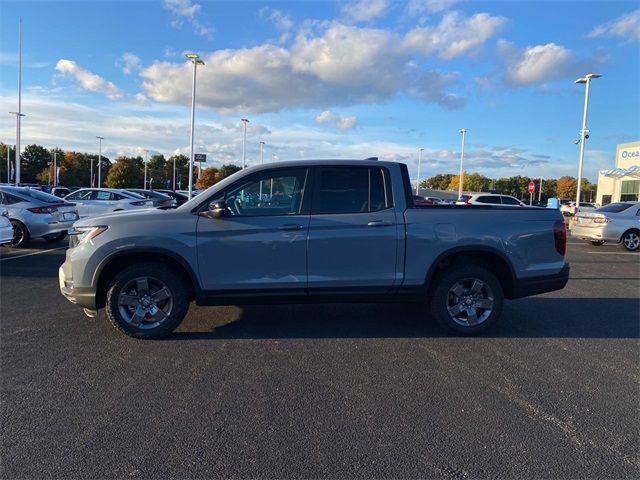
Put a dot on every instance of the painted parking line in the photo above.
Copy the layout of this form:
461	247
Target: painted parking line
30	254
614	253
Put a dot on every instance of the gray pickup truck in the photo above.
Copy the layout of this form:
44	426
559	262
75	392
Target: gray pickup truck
312	231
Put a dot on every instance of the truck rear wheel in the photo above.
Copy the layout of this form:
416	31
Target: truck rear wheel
147	300
467	300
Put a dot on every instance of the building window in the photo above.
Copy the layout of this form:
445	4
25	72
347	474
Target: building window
630	191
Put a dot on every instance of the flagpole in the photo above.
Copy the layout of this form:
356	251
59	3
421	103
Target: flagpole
19	101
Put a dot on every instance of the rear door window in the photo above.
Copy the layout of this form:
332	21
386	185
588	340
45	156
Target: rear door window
351	189
488	199
509	201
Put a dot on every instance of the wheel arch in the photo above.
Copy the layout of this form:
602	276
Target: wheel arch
489	258
112	264
632	229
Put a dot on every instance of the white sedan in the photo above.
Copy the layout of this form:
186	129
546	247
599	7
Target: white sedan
98	201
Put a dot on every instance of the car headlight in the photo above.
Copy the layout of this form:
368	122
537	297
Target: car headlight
85	234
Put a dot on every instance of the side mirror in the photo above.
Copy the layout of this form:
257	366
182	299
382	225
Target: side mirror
218	210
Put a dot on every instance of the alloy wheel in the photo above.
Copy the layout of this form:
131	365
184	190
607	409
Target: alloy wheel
470	302
145	302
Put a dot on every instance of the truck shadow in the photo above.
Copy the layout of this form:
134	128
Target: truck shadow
535	317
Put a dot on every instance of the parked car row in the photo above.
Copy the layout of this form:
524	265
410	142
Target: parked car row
33	213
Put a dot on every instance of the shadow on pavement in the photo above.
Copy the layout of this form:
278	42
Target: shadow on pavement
536	317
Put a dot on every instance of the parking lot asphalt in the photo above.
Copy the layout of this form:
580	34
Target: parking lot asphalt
331	391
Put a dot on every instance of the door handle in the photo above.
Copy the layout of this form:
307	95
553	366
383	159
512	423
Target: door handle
378	223
290	227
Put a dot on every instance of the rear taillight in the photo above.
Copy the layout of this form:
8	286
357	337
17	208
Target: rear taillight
139	204
42	209
601	220
560	237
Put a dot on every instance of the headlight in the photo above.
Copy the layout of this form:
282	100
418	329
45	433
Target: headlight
85	234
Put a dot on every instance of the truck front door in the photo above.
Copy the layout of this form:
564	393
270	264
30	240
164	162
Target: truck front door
262	244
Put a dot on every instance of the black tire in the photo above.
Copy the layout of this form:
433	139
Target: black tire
597	243
631	240
20	235
55	237
131	311
473	284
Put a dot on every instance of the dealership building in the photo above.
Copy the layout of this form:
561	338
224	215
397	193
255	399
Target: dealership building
621	183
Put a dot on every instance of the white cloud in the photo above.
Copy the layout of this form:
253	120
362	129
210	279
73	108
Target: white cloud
128	63
365	10
344	65
626	26
455	35
537	64
416	7
281	22
88	80
341	123
187	10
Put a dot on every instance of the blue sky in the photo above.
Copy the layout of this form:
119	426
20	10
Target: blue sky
346	79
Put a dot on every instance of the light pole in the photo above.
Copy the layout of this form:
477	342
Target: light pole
174	173
584	133
244	142
100	160
195	60
463	131
420	150
9	163
17	165
146	154
262	144
540	191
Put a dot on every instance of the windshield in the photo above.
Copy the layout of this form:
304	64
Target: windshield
614	207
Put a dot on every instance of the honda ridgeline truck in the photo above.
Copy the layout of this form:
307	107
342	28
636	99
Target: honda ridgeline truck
321	231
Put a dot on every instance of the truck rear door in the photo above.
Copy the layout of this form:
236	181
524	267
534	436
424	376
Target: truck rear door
353	230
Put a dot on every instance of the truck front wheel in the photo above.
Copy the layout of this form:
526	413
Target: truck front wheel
147	300
467	299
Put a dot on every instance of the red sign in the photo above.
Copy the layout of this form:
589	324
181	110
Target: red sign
532	187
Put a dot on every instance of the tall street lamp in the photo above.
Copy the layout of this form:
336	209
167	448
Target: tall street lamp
17	165
195	60
100	161
420	150
463	131
146	154
244	142
9	163
584	133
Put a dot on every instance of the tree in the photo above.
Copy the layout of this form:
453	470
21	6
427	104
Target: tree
126	172
157	170
182	170
567	187
475	182
3	160
208	176
437	182
35	159
230	169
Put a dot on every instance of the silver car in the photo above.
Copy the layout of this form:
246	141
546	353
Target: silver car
98	201
36	214
617	222
159	199
6	229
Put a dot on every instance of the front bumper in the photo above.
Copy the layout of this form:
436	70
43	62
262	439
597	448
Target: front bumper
84	297
526	287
